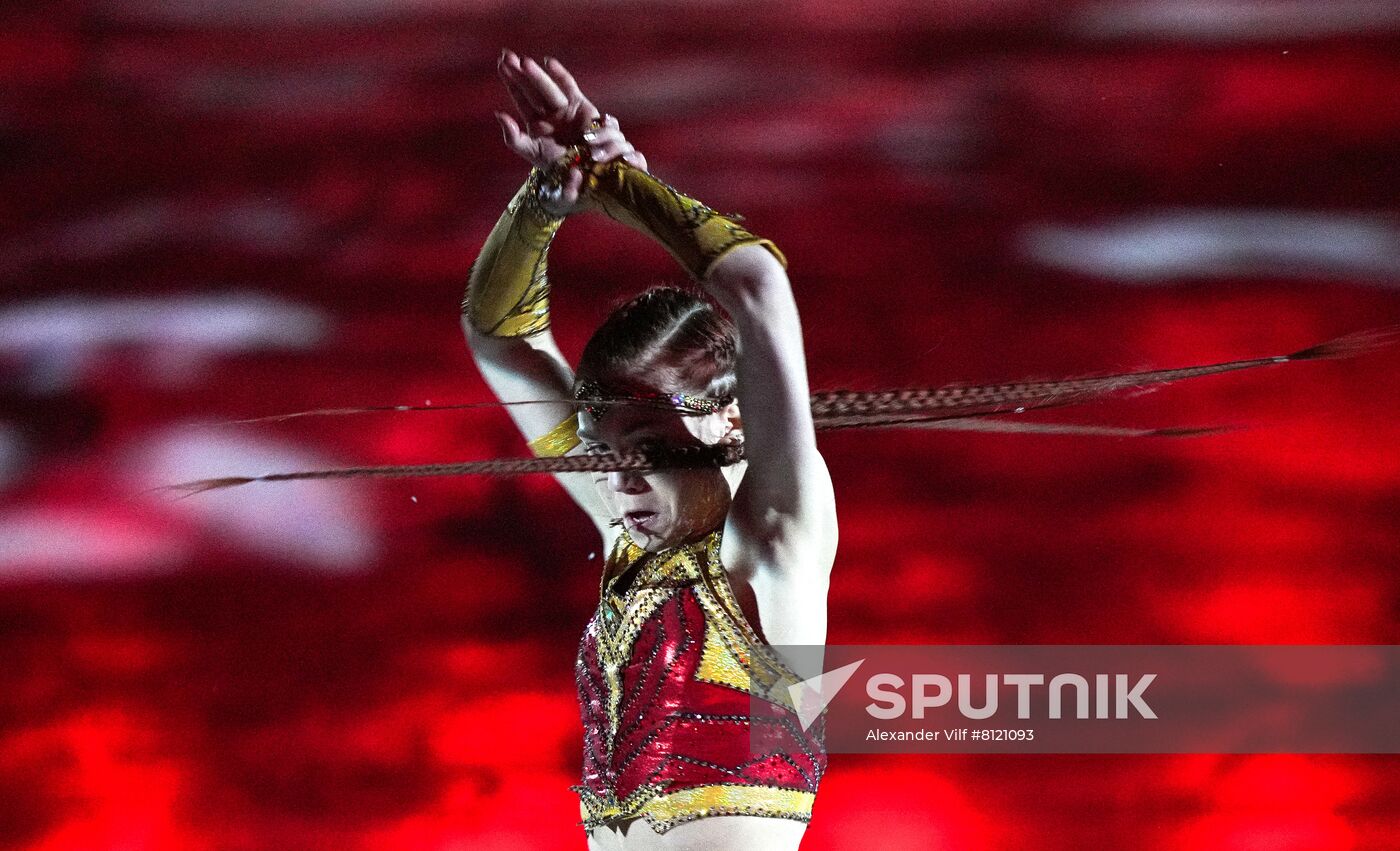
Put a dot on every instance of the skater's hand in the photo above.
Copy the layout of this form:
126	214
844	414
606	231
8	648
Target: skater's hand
553	115
606	143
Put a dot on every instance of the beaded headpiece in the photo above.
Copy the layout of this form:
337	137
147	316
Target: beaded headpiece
596	402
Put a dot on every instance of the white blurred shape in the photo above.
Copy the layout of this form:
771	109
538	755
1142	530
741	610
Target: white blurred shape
57	337
677	86
322	524
225	323
1224	243
83	543
1235	20
260	225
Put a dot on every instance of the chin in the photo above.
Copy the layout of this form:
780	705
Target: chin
652	541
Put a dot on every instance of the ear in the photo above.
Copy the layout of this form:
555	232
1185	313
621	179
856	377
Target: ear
734	424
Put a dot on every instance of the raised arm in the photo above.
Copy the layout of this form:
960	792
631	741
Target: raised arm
784	509
505	310
786	498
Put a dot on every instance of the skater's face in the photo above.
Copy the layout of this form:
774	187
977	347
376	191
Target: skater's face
663	508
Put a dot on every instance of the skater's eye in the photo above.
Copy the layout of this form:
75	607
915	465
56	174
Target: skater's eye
597	449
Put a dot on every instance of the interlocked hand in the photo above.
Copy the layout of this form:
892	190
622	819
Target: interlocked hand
554	115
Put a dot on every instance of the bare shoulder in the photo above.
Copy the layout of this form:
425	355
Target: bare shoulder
797	539
779	566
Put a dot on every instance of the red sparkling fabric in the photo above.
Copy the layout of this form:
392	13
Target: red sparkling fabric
674	730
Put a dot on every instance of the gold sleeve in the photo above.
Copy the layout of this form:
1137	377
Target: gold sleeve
693	233
558	440
508	292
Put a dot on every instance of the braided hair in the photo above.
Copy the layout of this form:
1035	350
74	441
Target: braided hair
668	338
675	338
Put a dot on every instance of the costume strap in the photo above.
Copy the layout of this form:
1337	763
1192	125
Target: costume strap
695	235
508	293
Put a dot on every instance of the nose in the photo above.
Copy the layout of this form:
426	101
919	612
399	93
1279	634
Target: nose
626	481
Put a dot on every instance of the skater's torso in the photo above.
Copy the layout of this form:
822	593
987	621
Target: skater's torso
682	699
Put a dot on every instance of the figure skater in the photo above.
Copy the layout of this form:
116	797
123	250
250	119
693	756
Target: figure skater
708	566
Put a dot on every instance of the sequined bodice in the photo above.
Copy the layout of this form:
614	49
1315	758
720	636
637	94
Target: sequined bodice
666	675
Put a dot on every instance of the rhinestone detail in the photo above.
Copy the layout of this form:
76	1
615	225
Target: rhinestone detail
667	670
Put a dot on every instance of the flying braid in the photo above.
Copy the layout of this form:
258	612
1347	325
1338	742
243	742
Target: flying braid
949	407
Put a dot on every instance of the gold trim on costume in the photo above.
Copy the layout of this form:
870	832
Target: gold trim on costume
558	440
508	292
695	235
666	810
733	655
722	661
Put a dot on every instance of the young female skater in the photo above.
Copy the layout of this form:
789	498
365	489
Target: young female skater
709	563
720	529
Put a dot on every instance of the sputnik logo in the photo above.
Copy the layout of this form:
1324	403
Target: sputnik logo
812	695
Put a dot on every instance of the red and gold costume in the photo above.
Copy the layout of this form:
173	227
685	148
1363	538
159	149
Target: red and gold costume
667	673
685	709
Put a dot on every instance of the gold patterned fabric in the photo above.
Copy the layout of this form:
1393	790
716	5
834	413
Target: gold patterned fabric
693	233
508	292
686	710
558	440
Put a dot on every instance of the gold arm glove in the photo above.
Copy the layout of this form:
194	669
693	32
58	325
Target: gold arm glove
558	440
508	293
695	235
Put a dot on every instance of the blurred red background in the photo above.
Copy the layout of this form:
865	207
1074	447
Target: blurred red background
215	210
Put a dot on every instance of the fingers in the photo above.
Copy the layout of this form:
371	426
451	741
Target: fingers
573	185
508	67
564	81
610	150
552	111
546	91
536	150
602	134
515	139
606	143
522	87
608	131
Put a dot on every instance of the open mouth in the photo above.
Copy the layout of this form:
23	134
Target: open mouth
638	518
